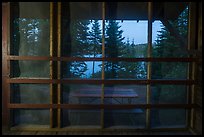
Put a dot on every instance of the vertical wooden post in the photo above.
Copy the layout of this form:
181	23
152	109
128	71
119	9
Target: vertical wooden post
103	56
149	51
5	66
58	63
51	62
191	47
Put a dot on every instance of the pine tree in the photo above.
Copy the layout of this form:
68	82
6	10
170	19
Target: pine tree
95	41
113	46
80	47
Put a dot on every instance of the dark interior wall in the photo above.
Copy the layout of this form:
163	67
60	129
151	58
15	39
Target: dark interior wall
198	76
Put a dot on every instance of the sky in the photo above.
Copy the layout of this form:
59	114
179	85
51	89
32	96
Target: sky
139	31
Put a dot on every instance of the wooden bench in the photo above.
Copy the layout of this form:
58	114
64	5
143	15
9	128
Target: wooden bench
108	93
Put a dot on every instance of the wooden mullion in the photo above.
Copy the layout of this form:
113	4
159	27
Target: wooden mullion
59	63
149	54
103	106
93	81
148	59
5	66
51	63
191	46
103	65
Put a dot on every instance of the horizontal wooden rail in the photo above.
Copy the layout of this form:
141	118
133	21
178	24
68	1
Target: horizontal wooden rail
98	81
102	106
101	59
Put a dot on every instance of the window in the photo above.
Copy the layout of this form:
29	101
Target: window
99	65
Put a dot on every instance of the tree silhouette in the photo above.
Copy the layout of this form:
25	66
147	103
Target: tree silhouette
79	48
95	41
113	47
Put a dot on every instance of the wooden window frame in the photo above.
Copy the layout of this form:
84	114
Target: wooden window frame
7	80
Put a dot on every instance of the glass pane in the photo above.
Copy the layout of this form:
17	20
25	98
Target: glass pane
168	118
125	94
82	69
80	118
123	118
125	70
30	69
30	93
81	94
170	32
164	94
126	29
31	117
169	70
30	29
82	29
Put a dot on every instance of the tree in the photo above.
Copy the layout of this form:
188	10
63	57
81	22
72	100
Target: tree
80	47
113	47
95	41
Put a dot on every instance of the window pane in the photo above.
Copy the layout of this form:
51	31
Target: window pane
81	94
125	94
30	93
169	70
80	118
31	117
125	118
164	94
30	69
126	29
125	70
82	69
170	32
81	33
168	118
30	29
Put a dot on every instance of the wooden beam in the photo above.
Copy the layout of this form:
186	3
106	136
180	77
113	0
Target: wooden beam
94	81
148	59
103	106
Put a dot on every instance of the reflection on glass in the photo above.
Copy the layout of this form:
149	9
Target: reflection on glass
81	34
134	118
30	30
169	70
164	94
168	118
81	69
78	118
30	93
31	117
172	37
30	69
125	94
81	94
125	70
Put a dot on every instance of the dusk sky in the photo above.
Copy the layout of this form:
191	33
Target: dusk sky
139	31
